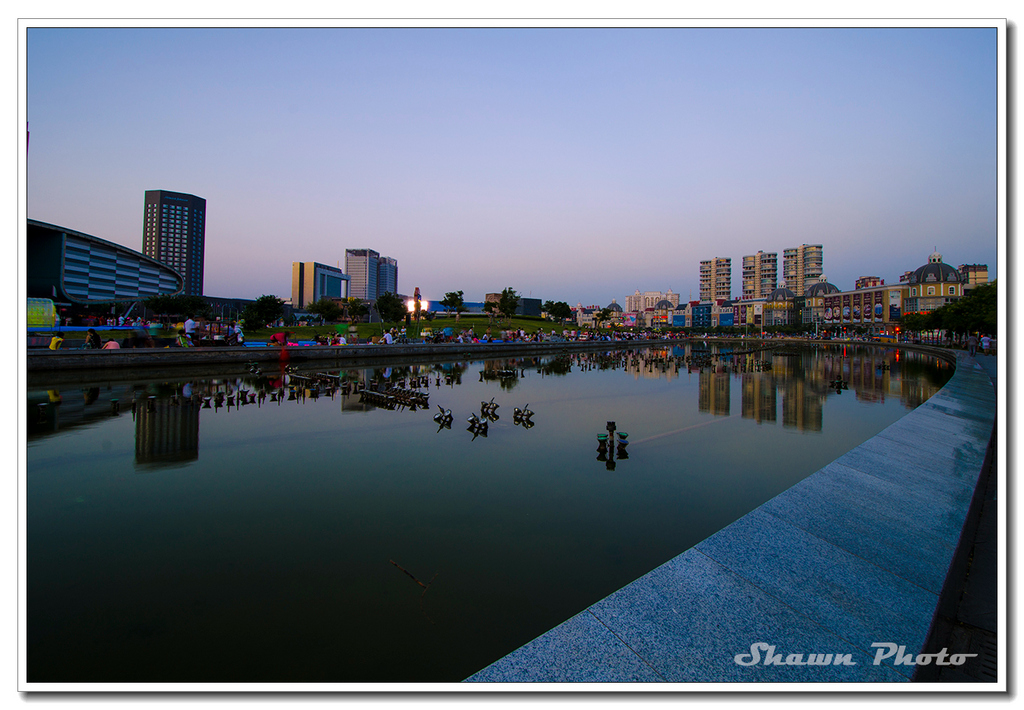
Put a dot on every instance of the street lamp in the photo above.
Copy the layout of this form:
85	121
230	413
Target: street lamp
415	306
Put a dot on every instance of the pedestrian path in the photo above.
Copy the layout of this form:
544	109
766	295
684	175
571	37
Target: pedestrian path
845	569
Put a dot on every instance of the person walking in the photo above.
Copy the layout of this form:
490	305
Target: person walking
986	343
972	345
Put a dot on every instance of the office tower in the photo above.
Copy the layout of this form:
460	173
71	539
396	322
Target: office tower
312	281
370	274
760	274
174	233
801	266
361	267
387	275
716	279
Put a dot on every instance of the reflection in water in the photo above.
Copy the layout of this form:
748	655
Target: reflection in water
268	551
166	432
167	414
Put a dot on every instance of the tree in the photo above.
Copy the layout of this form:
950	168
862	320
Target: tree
490	308
508	303
390	307
912	322
180	305
261	312
327	308
559	310
354	308
453	302
601	316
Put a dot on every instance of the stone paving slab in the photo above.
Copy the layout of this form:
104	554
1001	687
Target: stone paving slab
854	555
907	535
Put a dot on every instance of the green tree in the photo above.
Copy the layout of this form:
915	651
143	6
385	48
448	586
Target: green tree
180	305
261	312
327	308
491	309
390	307
453	302
508	303
601	316
974	313
912	322
559	310
355	308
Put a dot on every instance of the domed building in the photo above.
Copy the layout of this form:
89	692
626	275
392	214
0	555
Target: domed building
932	286
663	312
814	300
779	307
615	311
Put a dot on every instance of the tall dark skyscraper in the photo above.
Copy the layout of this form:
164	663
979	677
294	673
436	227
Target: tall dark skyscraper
174	233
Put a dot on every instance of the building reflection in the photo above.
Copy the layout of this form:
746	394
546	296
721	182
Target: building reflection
166	432
167	414
714	393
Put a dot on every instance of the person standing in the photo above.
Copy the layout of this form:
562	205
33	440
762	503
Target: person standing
190	330
986	343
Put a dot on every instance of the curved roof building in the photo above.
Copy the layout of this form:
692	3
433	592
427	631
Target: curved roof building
781	294
935	272
822	288
66	265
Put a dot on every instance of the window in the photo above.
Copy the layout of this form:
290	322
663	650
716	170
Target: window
931	290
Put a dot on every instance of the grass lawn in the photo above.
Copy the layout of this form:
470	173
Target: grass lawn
478	324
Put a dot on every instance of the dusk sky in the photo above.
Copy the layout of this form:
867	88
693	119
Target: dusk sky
573	165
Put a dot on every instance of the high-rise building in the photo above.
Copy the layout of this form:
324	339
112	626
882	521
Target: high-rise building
716	279
974	274
361	267
760	274
312	281
801	265
370	273
174	233
387	275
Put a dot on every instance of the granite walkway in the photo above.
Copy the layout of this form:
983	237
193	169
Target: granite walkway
854	556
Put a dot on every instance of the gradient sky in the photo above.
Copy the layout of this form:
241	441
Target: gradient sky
571	164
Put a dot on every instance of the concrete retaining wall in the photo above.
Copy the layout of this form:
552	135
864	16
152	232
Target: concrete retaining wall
854	555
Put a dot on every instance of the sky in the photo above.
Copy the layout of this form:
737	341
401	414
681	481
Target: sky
575	164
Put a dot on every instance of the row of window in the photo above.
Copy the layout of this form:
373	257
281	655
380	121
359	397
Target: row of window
931	291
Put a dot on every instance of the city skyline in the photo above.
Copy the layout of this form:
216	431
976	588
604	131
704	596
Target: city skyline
573	165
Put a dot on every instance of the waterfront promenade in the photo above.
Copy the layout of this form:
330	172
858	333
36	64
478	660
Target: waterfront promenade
885	553
873	548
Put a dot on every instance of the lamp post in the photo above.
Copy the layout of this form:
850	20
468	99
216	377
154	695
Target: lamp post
415	306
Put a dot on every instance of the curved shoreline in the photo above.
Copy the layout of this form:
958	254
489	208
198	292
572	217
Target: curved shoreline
38	360
850	563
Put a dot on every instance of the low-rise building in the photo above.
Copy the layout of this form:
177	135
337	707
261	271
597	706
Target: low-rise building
877	308
932	286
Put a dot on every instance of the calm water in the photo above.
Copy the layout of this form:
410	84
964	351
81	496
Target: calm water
325	539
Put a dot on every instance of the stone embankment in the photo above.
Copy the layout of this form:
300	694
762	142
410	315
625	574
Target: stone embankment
841	578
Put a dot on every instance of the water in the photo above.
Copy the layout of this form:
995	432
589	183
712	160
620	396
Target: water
328	540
